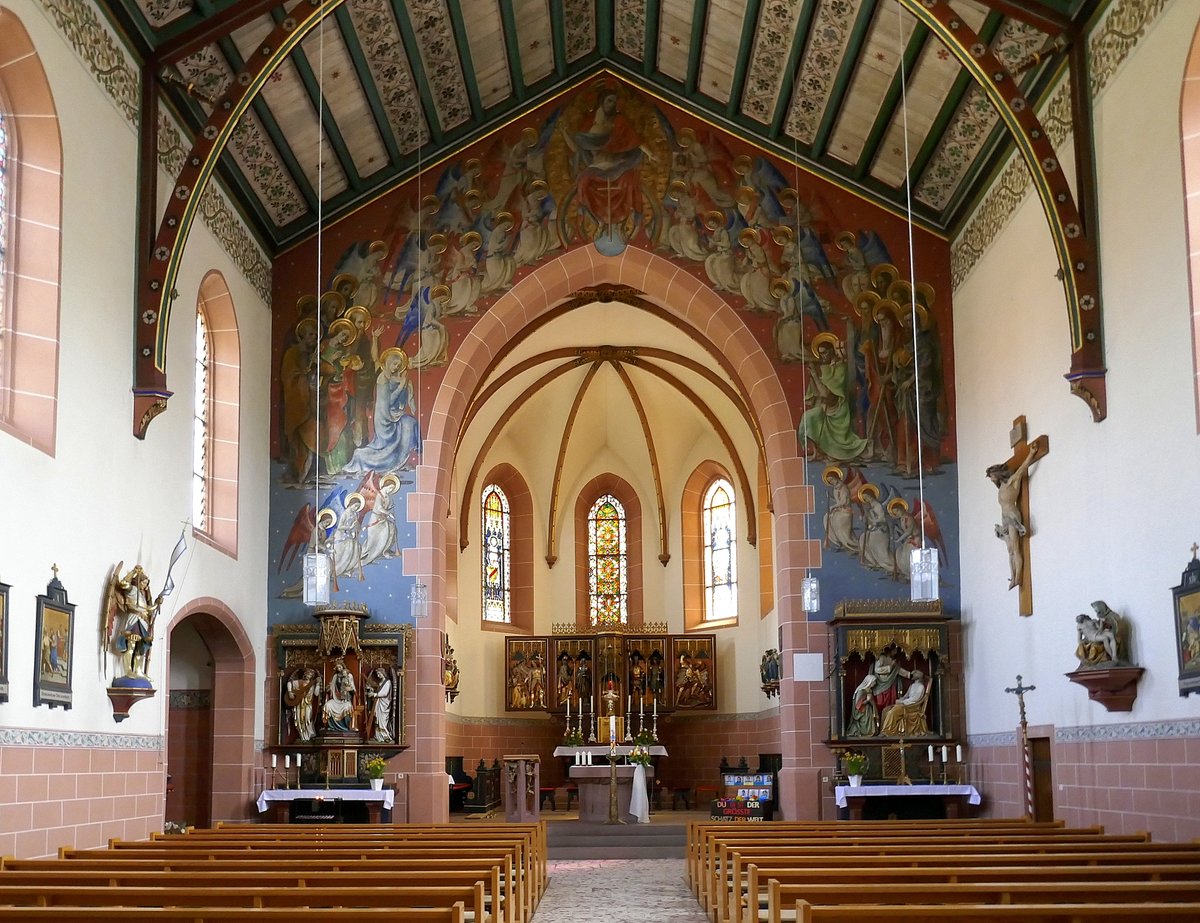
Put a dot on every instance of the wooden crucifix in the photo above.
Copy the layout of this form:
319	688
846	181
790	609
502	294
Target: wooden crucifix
1013	528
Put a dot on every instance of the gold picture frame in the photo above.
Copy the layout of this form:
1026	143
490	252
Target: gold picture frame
1187	627
4	588
54	644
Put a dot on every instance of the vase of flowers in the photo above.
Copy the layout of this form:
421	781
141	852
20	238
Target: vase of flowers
573	739
640	754
854	762
375	766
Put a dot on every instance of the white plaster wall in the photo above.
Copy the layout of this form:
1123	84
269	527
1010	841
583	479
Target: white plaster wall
106	496
1115	504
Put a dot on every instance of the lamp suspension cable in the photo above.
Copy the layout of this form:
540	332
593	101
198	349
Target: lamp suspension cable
419	594
810	588
923	561
317	564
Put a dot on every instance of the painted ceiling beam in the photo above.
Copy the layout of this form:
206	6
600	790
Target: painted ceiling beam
412	48
370	89
558	35
320	103
745	50
215	22
512	49
650	42
465	58
987	32
845	75
605	19
892	99
1037	14
783	103
696	45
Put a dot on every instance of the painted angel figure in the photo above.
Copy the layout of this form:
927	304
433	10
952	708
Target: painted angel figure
129	615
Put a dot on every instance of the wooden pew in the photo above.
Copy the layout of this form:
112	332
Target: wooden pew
1142	912
721	877
420	896
128	863
484	906
234	914
514	856
752	909
896	896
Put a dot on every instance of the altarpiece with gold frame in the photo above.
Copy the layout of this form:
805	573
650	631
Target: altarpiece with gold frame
342	693
889	686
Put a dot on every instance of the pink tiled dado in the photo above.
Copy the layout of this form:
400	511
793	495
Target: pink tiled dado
1125	785
77	797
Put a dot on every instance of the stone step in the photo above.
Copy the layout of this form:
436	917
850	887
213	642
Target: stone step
573	840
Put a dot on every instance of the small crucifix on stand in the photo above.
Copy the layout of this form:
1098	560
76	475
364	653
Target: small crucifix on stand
1026	759
1013	528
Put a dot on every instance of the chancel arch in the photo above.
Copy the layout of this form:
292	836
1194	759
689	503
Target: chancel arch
698	315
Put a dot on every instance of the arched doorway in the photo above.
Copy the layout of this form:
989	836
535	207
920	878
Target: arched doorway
210	716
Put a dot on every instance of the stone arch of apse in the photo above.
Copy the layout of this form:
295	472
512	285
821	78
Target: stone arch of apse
234	686
693	304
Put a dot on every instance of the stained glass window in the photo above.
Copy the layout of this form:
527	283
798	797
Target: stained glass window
497	558
720	552
608	582
200	428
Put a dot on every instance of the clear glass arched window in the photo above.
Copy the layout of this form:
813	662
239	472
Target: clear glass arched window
720	551
201	434
497	556
608	572
5	245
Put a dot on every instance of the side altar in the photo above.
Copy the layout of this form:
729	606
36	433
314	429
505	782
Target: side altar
342	683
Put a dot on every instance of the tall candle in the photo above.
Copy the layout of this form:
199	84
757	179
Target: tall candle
568	711
612	727
641	705
287	760
628	704
931	753
593	705
274	760
958	753
944	753
656	706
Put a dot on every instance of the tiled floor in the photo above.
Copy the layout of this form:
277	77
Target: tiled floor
618	891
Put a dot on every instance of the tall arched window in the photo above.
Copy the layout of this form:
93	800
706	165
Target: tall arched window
30	241
216	408
200	416
720	551
497	556
608	581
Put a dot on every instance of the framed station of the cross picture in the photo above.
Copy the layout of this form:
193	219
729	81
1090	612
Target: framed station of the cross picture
1187	626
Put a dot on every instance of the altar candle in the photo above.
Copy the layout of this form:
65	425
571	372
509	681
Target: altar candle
628	704
656	706
958	753
612	727
593	705
568	711
287	760
641	705
931	753
274	760
944	753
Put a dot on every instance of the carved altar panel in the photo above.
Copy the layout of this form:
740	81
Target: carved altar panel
694	666
345	698
646	670
526	673
574	672
891	675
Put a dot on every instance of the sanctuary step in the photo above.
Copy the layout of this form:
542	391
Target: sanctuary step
573	840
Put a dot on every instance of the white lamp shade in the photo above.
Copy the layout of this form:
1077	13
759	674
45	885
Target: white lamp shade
317	570
810	594
419	598
923	571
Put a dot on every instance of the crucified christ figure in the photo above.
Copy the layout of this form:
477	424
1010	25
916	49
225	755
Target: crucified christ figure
1012	526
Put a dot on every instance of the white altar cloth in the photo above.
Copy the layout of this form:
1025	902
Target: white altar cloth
386	795
842	792
601	750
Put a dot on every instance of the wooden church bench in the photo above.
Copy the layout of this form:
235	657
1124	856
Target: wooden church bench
896	896
57	914
1143	912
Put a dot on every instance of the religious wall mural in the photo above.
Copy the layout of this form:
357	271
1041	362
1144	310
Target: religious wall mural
818	275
